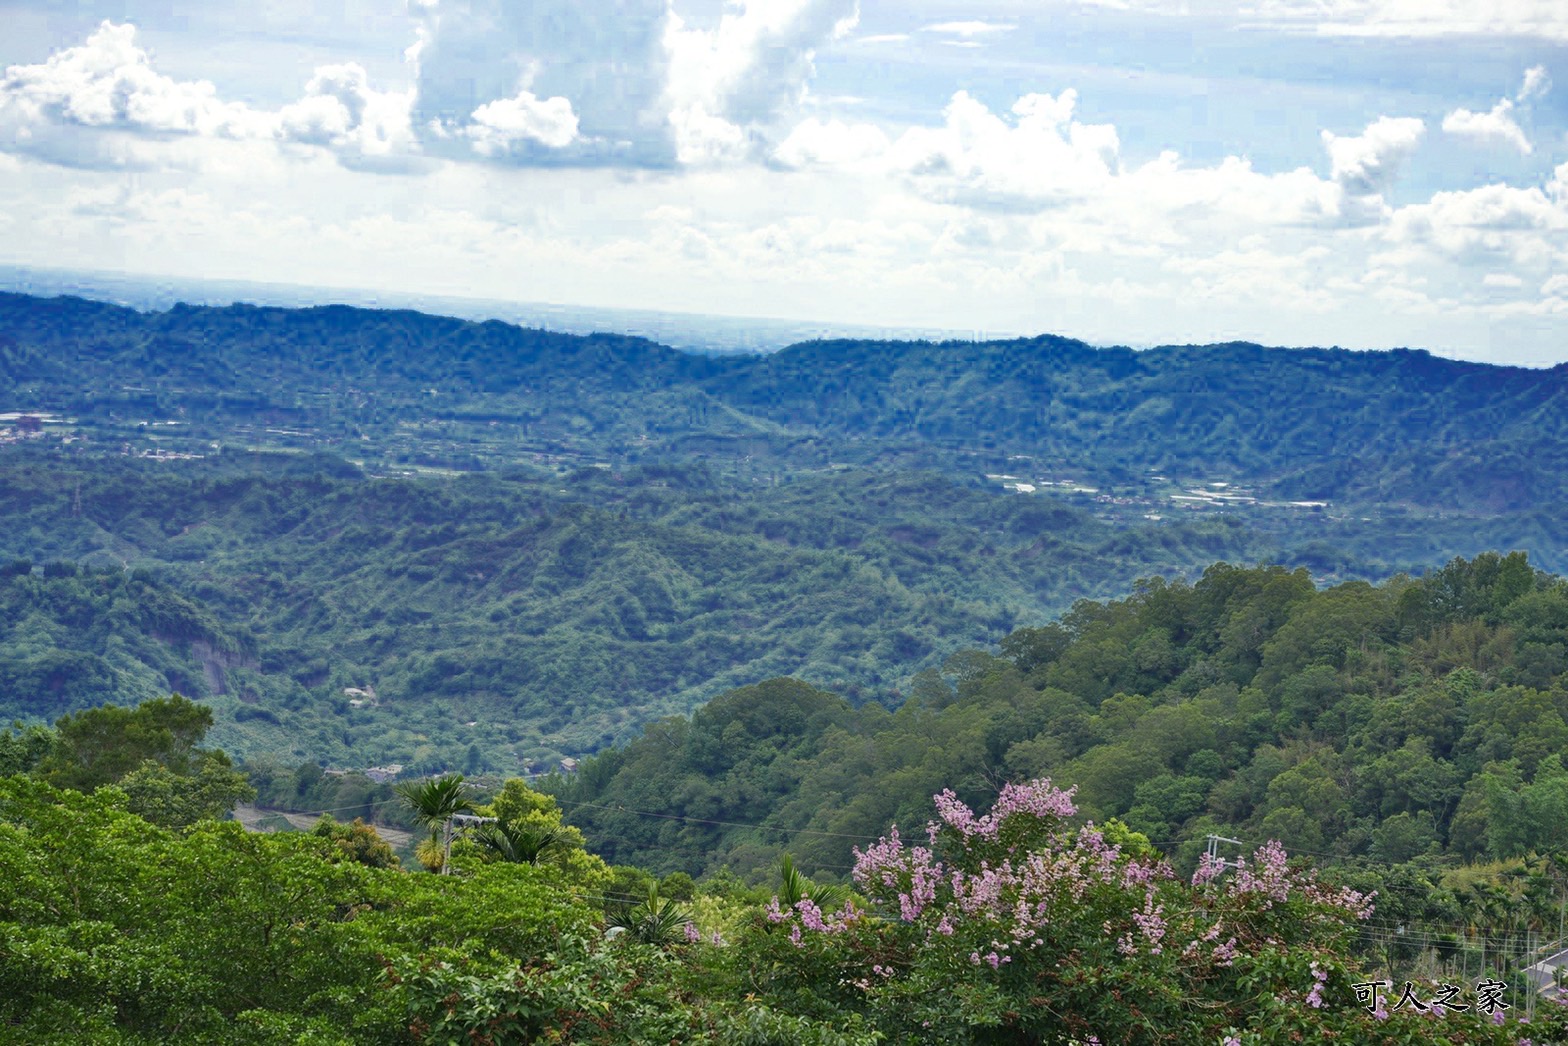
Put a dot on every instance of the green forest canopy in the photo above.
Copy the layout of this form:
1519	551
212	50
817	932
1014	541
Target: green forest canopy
1416	718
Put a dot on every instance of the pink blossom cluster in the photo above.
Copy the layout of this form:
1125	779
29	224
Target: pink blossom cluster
805	914
1209	869
1222	955
1020	895
1319	981
1150	923
911	876
1272	880
885	860
994	905
992	959
1038	799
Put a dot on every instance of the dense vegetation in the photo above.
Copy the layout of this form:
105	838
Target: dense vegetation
556	613
73	638
503	619
1418	720
1405	737
749	517
1019	926
1393	427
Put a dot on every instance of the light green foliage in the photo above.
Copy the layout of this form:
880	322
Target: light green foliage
151	752
654	920
530	831
22	748
434	803
356	842
207	791
114	927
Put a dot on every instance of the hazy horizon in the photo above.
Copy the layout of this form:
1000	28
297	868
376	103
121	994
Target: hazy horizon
1365	174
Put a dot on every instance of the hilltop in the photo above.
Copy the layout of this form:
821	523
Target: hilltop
1400	428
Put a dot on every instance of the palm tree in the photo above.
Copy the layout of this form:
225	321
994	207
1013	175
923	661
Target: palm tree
655	920
516	843
795	887
435	802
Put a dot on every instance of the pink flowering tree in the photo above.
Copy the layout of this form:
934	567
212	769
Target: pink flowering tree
1020	926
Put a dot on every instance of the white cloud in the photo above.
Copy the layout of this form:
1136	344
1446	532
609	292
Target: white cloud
549	83
1492	226
1230	195
1365	166
702	139
1495	126
340	110
831	143
108	84
643	87
969	30
506	123
102	104
1038	158
608	61
730	83
1030	216
1541	19
1416	18
1041	157
1536	84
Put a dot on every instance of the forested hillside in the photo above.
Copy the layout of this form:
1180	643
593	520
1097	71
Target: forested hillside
75	638
127	921
529	615
1412	720
1329	424
1385	428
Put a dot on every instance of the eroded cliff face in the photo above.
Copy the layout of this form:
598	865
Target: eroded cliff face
215	664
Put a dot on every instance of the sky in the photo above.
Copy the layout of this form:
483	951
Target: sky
1363	173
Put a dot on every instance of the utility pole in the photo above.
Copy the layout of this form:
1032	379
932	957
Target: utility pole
1214	851
461	821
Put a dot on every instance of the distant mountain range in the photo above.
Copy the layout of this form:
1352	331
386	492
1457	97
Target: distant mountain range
1399	428
692	332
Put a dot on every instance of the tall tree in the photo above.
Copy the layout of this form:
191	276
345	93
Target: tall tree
434	803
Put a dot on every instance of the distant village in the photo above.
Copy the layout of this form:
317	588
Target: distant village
1160	494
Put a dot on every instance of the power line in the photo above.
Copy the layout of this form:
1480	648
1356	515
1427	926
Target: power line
278	811
712	821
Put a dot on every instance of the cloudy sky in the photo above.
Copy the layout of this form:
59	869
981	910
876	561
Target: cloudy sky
1367	173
